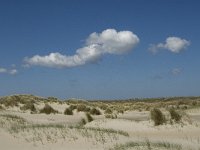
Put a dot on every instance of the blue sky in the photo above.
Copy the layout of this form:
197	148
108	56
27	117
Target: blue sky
152	50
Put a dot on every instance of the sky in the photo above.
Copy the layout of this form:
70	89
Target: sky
107	49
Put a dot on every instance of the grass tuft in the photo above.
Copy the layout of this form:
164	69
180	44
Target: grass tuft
29	106
48	110
108	111
68	111
89	117
158	117
147	145
95	111
175	115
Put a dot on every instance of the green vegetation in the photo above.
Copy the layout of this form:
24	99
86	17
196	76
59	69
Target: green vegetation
111	116
120	132
110	105
13	117
95	111
108	111
175	115
89	117
81	107
146	146
1	108
158	117
72	107
68	111
29	106
83	122
48	110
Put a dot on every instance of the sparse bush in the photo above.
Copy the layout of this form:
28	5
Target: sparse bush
87	109
194	103
103	106
83	122
10	103
81	108
14	118
89	117
28	106
48	109
158	117
175	115
147	108
52	99
1	108
120	111
108	115
95	111
112	116
72	107
108	111
68	111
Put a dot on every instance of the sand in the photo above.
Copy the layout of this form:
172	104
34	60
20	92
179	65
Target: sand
136	124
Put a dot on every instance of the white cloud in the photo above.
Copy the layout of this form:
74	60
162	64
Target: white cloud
3	70
173	44
8	71
13	71
97	44
176	71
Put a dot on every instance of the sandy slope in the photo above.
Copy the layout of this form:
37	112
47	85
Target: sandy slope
187	135
135	123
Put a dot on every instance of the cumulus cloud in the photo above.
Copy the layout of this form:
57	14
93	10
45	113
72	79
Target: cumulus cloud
8	71
173	44
97	44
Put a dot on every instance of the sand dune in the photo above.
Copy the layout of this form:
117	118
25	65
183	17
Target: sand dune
23	129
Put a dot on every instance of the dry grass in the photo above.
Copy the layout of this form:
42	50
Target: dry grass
147	145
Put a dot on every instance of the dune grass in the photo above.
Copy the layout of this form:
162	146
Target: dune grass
48	110
147	145
157	116
68	111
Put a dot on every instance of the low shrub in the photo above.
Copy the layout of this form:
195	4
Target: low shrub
175	115
158	117
108	111
89	117
95	111
29	106
72	107
81	107
120	111
103	106
10	103
111	116
87	109
48	109
1	108
68	111
194	103
82	122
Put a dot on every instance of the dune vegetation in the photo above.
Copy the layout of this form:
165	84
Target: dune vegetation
154	123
